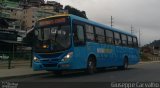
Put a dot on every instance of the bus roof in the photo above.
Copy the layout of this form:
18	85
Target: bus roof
59	15
90	22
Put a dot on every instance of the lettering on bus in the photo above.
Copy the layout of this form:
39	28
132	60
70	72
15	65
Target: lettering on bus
59	32
51	22
104	50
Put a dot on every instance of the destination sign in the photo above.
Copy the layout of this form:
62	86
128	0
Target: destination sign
52	22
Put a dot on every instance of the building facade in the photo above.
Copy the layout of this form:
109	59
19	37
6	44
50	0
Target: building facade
27	12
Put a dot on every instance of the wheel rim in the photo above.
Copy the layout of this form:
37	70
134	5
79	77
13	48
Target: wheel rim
91	67
126	65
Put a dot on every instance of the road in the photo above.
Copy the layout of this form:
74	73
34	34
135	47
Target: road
140	72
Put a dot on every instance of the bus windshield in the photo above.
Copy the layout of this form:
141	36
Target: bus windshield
53	38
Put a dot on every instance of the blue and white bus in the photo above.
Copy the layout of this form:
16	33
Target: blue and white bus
68	42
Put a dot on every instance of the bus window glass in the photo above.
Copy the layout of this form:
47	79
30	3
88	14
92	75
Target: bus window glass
46	32
99	31
124	39
109	36
117	38
100	35
89	29
54	33
64	36
80	33
39	36
90	33
79	36
135	43
130	41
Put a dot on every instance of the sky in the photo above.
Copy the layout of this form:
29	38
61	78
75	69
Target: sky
143	15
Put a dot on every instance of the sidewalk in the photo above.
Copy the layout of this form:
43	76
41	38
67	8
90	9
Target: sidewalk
19	72
142	62
15	64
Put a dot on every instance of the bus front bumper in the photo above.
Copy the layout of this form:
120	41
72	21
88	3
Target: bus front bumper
51	67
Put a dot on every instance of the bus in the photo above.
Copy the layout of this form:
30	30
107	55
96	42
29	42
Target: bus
68	42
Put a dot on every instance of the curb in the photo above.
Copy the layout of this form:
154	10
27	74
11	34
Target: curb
142	62
24	76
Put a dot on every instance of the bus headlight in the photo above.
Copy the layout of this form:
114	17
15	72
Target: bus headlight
68	56
35	59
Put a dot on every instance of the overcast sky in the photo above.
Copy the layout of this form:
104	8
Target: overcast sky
142	14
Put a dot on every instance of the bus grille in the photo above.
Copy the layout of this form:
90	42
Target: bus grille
49	65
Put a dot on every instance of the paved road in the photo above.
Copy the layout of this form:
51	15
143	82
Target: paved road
140	72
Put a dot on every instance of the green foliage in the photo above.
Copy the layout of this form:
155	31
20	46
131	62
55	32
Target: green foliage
75	11
14	0
9	0
144	57
2	1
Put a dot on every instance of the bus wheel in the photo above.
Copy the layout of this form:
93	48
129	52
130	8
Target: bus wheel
91	66
125	65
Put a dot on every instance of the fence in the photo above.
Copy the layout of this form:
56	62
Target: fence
154	58
12	59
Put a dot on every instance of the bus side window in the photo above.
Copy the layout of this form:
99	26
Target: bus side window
117	38
100	36
79	38
89	33
130	42
135	42
124	39
109	37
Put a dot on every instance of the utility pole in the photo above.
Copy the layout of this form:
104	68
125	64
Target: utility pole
139	37
111	21
131	29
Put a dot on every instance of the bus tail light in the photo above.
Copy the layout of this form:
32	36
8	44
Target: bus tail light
68	56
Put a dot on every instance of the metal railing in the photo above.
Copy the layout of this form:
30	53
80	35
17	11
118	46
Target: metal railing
154	58
10	59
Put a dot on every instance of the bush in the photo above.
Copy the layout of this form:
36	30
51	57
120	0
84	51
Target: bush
144	57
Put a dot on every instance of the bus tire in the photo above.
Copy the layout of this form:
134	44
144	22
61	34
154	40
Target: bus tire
125	65
91	65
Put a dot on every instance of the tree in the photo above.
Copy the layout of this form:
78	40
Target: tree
76	12
14	0
2	1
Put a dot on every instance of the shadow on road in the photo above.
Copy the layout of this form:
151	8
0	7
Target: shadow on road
75	74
